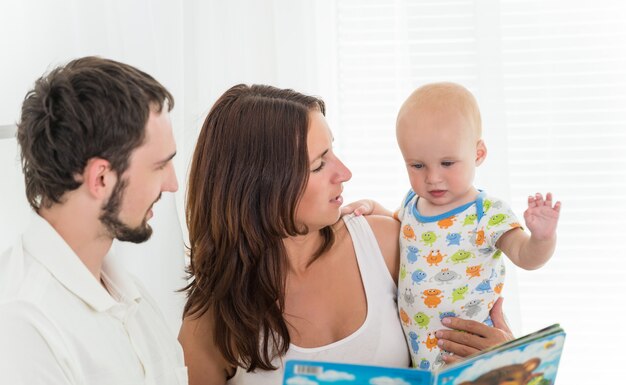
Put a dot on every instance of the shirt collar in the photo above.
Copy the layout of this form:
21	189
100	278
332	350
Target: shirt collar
119	282
43	243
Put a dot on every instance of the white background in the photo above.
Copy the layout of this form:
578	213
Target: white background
550	77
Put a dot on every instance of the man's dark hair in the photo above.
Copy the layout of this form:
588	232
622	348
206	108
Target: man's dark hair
91	107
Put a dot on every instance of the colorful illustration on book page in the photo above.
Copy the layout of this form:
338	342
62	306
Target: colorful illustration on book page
533	364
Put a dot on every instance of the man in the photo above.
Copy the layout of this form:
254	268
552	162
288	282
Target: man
96	146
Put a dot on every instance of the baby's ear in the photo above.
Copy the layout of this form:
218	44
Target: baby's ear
481	152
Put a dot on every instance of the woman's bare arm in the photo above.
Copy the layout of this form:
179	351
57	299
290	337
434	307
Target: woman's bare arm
205	363
387	232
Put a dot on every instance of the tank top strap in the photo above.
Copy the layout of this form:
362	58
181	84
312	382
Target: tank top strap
371	261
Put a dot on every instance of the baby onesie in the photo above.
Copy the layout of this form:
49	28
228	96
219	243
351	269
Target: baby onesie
449	267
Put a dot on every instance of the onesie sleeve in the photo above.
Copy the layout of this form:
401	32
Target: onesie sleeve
498	218
404	206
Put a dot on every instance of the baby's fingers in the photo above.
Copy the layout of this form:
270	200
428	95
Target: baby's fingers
538	201
355	208
548	199
548	202
535	201
361	209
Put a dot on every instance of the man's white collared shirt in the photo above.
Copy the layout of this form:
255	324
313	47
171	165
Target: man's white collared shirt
58	325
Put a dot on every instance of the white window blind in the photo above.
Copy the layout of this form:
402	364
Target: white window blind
564	66
550	78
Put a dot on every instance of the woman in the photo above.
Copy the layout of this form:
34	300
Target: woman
276	274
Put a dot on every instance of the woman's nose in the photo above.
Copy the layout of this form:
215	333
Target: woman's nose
343	173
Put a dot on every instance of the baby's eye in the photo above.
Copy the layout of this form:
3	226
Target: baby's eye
447	163
417	165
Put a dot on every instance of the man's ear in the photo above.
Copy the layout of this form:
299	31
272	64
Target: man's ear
98	178
481	152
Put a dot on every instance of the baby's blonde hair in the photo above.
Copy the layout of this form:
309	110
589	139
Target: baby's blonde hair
445	96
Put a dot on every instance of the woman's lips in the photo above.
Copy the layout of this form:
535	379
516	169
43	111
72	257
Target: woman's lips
337	200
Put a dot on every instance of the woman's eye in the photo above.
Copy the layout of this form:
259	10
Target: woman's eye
321	166
162	166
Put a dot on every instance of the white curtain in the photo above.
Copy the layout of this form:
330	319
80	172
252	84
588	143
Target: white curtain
550	77
277	42
386	50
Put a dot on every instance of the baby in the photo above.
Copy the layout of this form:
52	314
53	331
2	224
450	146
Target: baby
453	236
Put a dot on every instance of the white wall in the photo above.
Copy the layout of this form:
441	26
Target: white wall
38	35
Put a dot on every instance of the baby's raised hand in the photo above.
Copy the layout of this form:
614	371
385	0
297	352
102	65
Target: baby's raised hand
541	216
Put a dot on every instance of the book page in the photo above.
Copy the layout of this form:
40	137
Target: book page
534	361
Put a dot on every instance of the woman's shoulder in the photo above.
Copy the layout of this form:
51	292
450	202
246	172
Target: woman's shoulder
376	222
383	225
385	228
386	231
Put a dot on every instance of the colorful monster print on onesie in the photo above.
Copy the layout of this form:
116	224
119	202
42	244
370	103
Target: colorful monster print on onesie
449	267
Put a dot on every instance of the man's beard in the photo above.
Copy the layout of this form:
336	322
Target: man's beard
111	221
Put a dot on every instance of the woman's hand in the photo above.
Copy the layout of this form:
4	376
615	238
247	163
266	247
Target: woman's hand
469	337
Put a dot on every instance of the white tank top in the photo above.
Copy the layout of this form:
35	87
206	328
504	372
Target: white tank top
379	340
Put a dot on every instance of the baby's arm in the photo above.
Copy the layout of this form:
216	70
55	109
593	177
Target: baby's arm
532	252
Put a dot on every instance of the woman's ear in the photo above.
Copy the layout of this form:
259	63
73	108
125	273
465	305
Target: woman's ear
481	152
98	178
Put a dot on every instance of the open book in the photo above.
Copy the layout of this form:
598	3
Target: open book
529	360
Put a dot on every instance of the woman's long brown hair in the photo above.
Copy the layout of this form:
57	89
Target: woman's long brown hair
249	169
